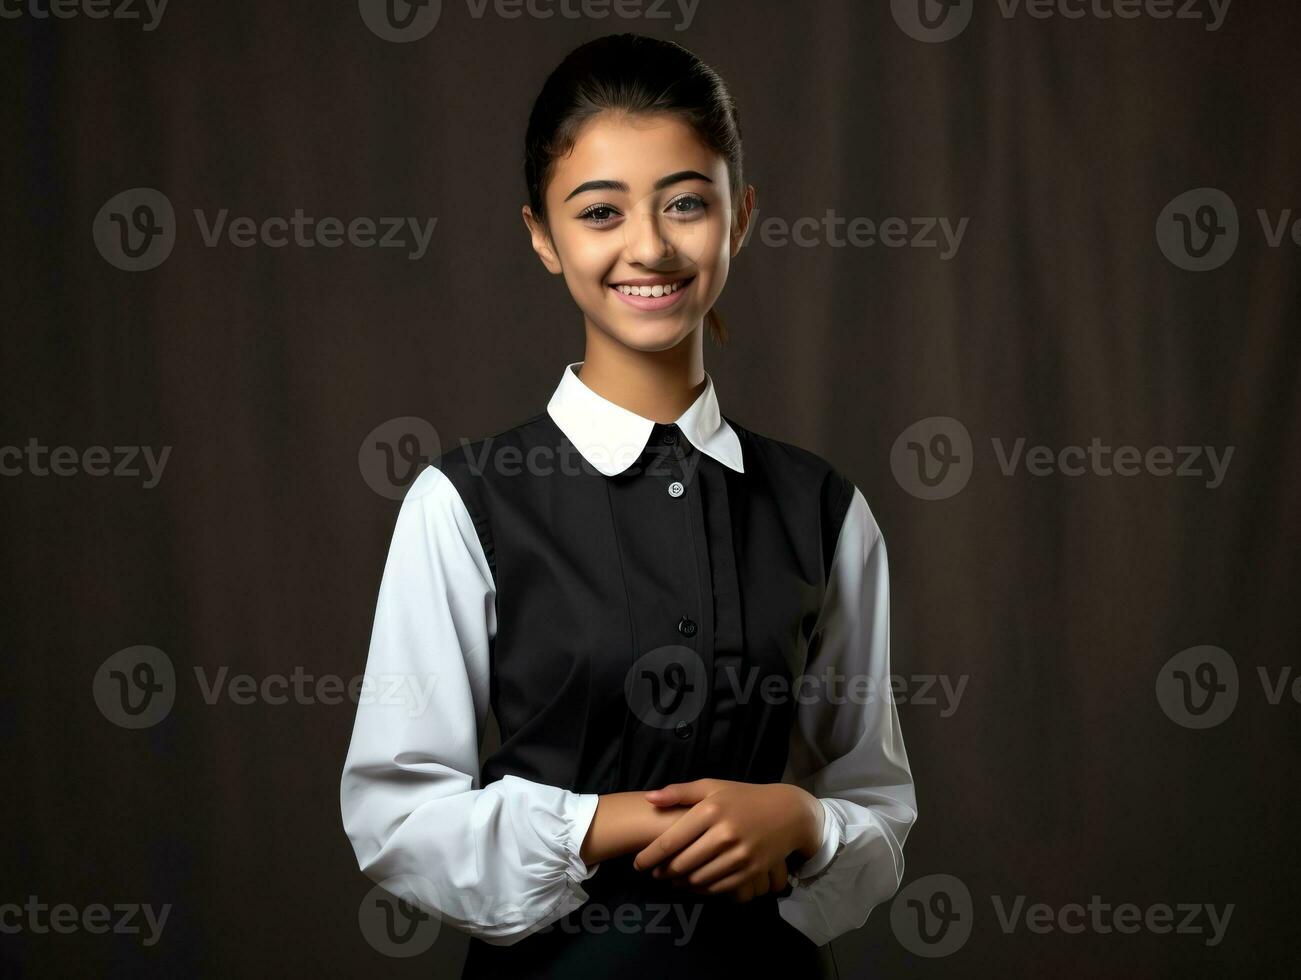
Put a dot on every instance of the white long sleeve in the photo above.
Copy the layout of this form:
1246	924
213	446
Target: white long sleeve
498	862
846	745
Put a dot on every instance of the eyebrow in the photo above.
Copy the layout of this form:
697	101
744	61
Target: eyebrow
619	185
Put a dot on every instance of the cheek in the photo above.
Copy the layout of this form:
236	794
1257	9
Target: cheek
588	259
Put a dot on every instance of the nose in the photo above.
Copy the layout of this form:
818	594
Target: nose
645	239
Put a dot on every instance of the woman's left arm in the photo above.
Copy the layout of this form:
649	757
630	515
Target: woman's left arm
848	751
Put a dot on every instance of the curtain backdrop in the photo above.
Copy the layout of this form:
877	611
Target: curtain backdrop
1025	272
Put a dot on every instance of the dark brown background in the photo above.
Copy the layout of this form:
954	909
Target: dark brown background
1060	598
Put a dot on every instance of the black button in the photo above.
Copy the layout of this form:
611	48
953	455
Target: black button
669	437
686	627
683	729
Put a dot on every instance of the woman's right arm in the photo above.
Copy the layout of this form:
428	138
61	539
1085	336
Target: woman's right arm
499	861
624	824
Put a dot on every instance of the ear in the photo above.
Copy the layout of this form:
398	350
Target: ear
542	243
741	220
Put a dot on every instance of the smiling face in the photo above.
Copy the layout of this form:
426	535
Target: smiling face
640	225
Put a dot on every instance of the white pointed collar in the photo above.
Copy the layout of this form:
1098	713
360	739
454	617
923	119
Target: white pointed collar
611	437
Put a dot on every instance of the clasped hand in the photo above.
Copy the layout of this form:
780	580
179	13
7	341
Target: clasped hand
735	838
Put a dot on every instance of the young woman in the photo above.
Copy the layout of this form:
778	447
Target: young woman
681	626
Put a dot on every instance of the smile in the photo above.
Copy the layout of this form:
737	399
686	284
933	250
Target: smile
656	295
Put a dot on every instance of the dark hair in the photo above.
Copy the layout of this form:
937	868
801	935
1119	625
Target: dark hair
636	74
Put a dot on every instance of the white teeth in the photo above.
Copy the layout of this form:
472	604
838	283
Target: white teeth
657	290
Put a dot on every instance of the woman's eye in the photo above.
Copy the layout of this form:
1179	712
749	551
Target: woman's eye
687	205
598	214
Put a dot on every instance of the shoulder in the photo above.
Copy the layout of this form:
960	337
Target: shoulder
799	471
500	453
460	482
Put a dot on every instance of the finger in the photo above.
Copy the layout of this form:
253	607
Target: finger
684	831
689	793
729	880
725	872
706	848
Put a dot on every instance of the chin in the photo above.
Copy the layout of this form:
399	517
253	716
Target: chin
651	335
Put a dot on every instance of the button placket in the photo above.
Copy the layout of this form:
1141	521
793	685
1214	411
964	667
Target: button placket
698	631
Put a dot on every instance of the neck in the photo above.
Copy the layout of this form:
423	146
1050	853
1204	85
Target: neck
657	385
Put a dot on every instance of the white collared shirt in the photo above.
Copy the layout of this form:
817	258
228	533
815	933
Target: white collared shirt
501	860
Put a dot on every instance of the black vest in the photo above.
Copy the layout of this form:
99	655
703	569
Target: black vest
631	610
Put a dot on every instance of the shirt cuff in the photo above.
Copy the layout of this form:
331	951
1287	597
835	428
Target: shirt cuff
581	815
828	849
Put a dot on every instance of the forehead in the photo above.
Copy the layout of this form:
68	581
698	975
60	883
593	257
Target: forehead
636	149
